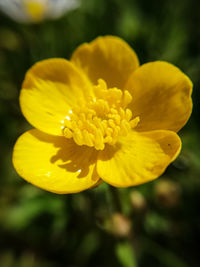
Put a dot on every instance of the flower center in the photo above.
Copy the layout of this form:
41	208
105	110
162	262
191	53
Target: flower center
102	120
35	9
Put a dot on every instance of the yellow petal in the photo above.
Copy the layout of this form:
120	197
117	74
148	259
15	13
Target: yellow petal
161	96
109	58
53	163
50	89
138	158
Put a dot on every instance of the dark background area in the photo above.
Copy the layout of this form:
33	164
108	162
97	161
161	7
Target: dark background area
161	221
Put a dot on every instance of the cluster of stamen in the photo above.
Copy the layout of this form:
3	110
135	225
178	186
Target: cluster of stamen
102	119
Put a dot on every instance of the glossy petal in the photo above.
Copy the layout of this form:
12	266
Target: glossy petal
138	158
161	96
50	89
108	58
55	164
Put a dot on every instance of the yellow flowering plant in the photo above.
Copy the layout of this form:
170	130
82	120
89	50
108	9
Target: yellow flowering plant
100	117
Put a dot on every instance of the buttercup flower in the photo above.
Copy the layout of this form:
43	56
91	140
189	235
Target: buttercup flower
36	10
100	117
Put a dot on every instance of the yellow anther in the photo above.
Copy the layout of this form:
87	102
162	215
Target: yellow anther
125	127
117	119
98	124
128	114
73	124
78	138
99	142
121	112
111	123
88	126
67	133
113	111
127	98
134	122
109	131
87	138
102	119
101	107
116	132
106	107
114	95
91	136
92	127
108	139
104	124
102	84
68	124
80	124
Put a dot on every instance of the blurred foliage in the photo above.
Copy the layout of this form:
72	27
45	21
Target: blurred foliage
40	229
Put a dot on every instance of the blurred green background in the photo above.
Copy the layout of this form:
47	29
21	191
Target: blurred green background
160	225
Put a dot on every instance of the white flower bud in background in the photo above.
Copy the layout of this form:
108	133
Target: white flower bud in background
138	201
35	11
120	225
168	193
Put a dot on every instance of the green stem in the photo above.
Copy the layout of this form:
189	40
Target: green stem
131	239
115	199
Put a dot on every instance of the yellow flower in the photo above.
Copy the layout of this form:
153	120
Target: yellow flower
100	116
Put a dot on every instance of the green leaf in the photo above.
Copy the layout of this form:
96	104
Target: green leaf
126	254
